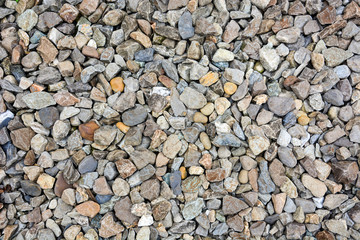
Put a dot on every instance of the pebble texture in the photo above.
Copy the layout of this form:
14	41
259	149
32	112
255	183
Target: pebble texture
179	119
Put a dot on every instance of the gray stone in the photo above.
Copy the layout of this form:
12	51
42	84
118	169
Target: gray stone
134	116
186	29
38	100
266	185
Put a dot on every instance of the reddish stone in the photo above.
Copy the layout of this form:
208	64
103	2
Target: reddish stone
68	13
90	52
125	168
60	185
327	16
351	10
329	30
215	175
290	80
232	205
325	235
88	209
297	8
167	82
345	171
285	22
87	7
87	130
47	50
65	99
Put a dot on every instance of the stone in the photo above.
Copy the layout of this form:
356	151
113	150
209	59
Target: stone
185	26
317	187
113	17
281	105
232	205
192	98
134	116
335	56
193	209
109	227
48	75
27	20
38	100
287	157
266	185
88	209
21	138
68	13
269	58
345	171
288	35
88	129
223	55
209	79
337	226
258	144
47	50
87	7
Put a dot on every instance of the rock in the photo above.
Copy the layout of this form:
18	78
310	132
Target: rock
68	13
120	187
88	209
223	55
38	100
281	105
266	185
122	210
232	205
345	171
269	58
258	144
109	227
21	138
104	135
192	98
287	157
87	7
288	35
27	20
335	56
193	209
87	130
317	188
134	116
337	227
47	50
295	230
186	29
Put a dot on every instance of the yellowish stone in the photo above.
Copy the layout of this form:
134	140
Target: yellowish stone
200	118
209	79
230	88
303	120
208	109
122	127
183	172
45	181
117	84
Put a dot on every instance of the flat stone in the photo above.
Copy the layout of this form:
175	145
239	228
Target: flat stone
281	105
192	98
88	209
317	187
38	100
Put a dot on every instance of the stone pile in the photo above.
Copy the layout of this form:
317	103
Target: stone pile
179	119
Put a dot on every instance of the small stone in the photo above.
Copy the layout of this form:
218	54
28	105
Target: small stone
88	209
269	58
230	88
209	79
27	20
345	171
142	39
215	175
109	227
288	35
281	105
87	130
113	17
317	188
186	29
232	205
192	98
223	55
21	138
87	7
68	13
193	209
38	100
258	144
45	181
335	56
47	50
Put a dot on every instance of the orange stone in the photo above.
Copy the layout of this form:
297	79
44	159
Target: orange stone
117	84
87	130
209	79
88	209
122	127
183	172
36	88
167	82
230	88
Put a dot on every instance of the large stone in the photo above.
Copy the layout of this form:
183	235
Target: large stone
192	98
281	105
38	100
